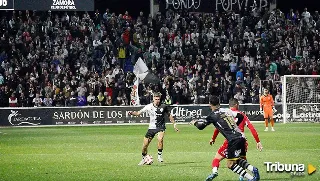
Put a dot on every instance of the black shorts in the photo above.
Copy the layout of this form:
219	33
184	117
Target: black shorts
236	149
152	132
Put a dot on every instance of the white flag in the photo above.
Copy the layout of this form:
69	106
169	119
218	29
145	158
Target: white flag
140	69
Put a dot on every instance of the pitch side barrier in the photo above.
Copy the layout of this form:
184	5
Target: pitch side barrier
110	115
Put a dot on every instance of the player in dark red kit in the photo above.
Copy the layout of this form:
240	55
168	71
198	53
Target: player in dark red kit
224	121
220	155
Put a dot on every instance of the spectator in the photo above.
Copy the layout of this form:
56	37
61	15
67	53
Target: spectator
101	99
91	99
47	101
72	101
278	98
13	101
239	96
37	101
239	75
81	99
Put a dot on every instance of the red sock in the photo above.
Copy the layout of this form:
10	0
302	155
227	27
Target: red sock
215	163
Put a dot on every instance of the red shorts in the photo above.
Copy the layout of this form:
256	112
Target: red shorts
223	148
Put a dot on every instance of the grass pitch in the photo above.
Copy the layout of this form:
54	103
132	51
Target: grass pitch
113	152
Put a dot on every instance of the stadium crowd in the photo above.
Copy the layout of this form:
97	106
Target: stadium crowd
77	59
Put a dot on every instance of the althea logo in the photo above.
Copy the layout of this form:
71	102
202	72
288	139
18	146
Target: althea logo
296	169
63	4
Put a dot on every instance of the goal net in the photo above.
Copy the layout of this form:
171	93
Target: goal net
301	98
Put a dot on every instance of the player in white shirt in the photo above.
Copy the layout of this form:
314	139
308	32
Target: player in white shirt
157	125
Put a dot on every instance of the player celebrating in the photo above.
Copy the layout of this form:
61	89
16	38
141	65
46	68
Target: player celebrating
267	108
220	155
224	121
157	125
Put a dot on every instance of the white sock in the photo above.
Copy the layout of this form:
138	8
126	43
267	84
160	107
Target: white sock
250	167
214	170
248	176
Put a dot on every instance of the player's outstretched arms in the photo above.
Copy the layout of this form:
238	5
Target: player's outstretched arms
143	110
200	124
135	113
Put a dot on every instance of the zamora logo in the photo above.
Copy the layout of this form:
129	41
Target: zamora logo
63	4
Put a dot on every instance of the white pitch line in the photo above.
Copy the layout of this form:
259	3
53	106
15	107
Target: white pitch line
90	153
133	153
112	124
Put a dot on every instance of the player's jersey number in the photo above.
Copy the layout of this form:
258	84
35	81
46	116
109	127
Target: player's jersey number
229	120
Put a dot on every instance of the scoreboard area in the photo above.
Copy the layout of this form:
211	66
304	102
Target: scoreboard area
7	4
46	5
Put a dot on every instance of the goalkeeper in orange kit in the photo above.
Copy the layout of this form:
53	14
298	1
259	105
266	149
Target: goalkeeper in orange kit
267	108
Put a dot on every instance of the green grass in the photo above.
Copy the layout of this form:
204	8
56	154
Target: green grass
113	152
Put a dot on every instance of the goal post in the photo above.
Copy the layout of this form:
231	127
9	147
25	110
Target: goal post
301	98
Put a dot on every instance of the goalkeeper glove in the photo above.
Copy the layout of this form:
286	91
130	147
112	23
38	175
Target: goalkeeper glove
261	111
274	109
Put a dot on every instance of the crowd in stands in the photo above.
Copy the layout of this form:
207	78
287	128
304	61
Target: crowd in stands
78	59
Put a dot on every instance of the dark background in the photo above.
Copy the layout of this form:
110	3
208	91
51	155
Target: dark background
120	6
135	6
46	4
285	5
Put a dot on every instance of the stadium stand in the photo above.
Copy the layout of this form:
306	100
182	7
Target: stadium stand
77	59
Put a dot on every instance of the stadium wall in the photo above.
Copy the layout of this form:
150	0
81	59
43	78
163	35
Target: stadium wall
109	115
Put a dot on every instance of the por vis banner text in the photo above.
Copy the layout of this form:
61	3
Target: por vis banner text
108	115
211	6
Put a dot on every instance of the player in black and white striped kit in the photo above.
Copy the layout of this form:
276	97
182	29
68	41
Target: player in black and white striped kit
157	125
